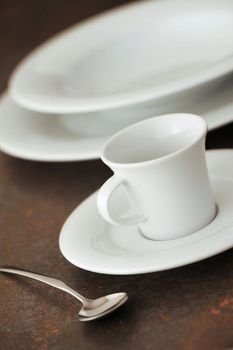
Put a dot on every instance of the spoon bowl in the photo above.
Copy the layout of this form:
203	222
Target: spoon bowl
101	307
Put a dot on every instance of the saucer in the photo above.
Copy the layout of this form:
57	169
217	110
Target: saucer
123	57
47	137
88	242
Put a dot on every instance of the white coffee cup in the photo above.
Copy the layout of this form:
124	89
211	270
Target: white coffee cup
161	163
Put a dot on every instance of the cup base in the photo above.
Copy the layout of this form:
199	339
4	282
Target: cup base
178	237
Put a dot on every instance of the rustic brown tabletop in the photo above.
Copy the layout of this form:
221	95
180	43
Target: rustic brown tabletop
185	308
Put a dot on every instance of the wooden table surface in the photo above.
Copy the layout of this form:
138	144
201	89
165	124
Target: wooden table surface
185	308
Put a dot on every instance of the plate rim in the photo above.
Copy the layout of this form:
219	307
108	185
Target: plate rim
12	151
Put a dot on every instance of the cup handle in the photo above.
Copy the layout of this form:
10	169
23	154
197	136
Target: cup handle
103	200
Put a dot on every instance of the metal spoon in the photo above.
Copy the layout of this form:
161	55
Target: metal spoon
91	309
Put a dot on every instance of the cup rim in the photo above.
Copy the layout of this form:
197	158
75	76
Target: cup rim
113	164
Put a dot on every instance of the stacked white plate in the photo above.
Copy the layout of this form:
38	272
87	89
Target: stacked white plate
148	58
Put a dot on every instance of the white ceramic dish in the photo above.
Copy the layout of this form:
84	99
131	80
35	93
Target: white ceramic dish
44	137
90	243
140	52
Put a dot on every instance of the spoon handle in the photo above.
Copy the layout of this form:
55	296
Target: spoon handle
45	279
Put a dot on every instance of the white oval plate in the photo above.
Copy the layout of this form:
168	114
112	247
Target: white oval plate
90	243
45	137
137	53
